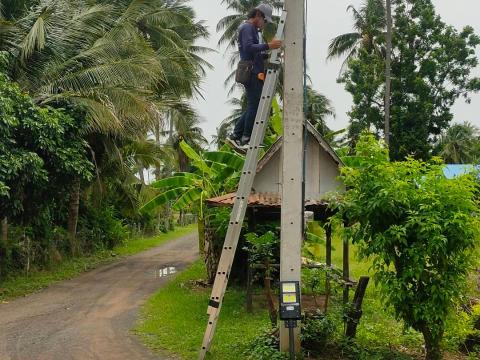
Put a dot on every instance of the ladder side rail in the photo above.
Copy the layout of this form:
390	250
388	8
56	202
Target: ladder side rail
244	189
250	165
228	253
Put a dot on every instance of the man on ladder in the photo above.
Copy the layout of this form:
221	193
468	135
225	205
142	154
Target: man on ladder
253	71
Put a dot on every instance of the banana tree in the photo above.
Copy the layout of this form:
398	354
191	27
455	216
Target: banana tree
217	172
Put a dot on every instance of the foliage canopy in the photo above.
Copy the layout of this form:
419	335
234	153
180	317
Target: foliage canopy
420	229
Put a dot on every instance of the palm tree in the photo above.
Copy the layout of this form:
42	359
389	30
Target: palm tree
12	9
223	130
185	126
226	126
96	57
460	144
229	24
117	164
369	25
319	107
108	63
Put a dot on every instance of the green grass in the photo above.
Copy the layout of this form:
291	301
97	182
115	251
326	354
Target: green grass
22	285
137	245
378	329
174	319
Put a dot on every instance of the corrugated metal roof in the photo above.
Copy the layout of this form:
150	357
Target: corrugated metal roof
257	199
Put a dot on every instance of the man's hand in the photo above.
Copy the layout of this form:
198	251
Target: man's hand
275	44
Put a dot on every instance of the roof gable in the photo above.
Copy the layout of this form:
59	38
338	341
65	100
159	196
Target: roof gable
277	145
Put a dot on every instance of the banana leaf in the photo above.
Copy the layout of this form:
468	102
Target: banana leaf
162	199
176	181
188	198
198	162
228	159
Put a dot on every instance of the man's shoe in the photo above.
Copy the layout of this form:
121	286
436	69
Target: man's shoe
243	148
245	140
235	144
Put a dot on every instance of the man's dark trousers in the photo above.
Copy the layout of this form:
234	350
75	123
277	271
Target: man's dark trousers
244	126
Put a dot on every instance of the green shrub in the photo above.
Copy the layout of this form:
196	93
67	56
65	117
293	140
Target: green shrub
352	351
317	331
265	347
472	341
313	281
419	228
100	229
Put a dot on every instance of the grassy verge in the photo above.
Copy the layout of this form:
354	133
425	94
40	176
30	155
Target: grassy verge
22	285
174	319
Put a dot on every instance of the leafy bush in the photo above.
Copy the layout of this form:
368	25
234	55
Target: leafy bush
313	281
264	248
41	153
265	347
317	331
315	240
353	351
99	229
421	230
472	341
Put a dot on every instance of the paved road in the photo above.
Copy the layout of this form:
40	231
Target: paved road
90	317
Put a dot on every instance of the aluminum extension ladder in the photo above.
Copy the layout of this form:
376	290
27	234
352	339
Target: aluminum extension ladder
243	193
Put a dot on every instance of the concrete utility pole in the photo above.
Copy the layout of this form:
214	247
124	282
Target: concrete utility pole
293	121
388	71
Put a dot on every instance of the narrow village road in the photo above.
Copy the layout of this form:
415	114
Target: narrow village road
90	317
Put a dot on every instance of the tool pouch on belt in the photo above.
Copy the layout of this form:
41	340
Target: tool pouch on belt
244	72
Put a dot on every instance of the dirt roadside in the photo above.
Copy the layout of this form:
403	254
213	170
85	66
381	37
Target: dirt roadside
90	317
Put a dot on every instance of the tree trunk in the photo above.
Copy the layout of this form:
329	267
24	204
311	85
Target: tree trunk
157	140
4	230
182	161
355	312
388	71
180	217
171	128
211	258
346	270
328	233
201	236
168	217
73	214
141	172
432	344
268	293
3	244
249	288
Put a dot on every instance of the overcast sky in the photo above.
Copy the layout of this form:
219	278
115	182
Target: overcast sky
327	19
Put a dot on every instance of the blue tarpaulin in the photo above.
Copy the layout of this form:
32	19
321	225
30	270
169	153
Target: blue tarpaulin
453	170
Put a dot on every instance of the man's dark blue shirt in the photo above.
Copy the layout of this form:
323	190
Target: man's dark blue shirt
250	47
